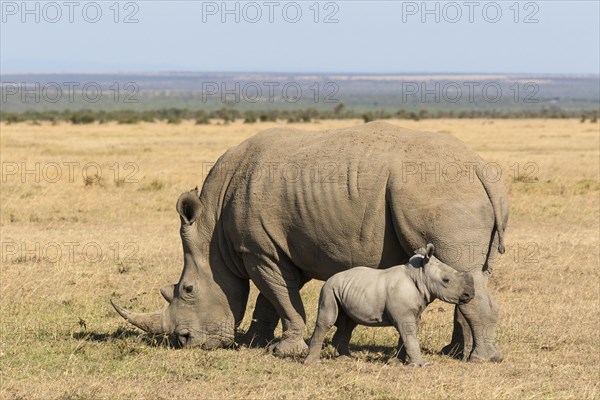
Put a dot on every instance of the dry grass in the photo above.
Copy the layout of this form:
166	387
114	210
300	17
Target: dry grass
61	339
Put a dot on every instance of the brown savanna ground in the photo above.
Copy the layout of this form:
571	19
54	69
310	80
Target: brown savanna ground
61	338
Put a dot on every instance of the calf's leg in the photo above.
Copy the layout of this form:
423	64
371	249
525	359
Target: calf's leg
341	340
408	327
326	318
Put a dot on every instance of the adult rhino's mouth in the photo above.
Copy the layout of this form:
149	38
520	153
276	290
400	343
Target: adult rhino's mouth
206	341
183	338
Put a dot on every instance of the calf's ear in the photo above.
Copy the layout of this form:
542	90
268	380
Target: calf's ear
418	260
429	250
423	254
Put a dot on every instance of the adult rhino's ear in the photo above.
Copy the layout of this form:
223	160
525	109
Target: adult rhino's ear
168	292
188	206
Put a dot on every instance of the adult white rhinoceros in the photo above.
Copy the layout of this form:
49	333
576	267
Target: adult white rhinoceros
287	206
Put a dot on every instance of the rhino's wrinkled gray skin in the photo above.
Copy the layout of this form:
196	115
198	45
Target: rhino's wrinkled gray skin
287	206
392	297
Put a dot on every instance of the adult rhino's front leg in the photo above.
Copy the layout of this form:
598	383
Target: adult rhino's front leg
481	317
280	284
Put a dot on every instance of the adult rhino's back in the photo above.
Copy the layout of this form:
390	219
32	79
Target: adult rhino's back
374	141
333	199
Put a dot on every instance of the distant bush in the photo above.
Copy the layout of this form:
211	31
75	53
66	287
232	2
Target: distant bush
81	118
249	117
129	120
13	118
229	114
128	117
226	114
264	117
201	118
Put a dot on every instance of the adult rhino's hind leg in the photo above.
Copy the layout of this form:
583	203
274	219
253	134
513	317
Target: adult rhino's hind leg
481	314
264	321
461	344
280	284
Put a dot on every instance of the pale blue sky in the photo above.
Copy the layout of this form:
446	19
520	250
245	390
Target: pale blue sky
370	36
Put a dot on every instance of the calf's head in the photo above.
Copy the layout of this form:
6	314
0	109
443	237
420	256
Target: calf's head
206	302
441	280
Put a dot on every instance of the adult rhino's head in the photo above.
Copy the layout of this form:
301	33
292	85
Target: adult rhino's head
208	300
442	281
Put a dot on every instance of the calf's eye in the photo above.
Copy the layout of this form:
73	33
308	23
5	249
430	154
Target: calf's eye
188	288
446	280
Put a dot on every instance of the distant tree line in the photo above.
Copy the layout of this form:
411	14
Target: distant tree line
226	115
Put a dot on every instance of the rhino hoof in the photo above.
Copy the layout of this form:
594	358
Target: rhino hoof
286	348
497	357
420	364
311	360
490	354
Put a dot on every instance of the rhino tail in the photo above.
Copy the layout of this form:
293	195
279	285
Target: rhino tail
494	197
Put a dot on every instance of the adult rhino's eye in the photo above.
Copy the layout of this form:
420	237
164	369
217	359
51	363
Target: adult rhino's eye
446	280
188	288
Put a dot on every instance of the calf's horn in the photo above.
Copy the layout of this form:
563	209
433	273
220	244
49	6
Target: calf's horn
149	322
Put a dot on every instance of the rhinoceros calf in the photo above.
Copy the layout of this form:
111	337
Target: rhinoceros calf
392	297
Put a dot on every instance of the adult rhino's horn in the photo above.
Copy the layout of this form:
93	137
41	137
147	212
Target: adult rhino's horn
149	322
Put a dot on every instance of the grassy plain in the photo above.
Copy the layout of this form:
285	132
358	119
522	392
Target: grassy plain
71	242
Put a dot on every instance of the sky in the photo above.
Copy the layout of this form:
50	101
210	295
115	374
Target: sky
302	36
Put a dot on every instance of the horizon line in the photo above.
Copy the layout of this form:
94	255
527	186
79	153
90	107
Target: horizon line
194	72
